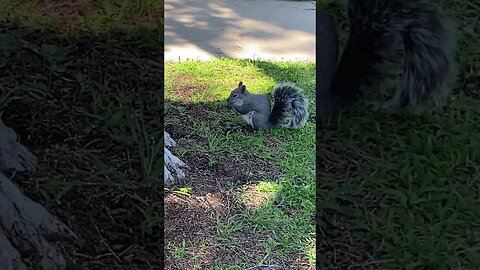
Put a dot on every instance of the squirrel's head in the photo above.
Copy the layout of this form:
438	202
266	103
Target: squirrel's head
237	96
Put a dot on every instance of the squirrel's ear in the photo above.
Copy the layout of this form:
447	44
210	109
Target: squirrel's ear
243	89
240	84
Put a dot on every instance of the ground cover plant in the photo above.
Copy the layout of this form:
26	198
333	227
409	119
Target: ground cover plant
402	191
249	200
81	84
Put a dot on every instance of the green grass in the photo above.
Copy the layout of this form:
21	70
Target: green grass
179	252
99	135
414	195
84	15
405	188
285	212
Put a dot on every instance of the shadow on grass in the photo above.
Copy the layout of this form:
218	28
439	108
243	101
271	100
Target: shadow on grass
89	107
386	181
383	179
282	73
396	191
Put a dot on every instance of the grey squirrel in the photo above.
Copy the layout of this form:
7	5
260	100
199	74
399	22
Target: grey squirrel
256	108
380	31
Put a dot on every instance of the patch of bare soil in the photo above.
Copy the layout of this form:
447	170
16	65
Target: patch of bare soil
193	218
185	87
104	200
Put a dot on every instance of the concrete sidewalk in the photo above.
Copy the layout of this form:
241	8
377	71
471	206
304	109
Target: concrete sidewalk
255	29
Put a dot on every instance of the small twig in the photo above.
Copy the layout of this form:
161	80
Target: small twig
129	159
136	197
13	175
106	244
125	251
63	77
149	264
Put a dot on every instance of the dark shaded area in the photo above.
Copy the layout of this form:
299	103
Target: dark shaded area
25	226
89	108
350	199
338	243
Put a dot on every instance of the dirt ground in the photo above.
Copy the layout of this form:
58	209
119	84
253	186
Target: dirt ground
89	175
193	218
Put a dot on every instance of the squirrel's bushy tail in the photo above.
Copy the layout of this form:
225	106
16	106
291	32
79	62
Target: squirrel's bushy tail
289	98
376	29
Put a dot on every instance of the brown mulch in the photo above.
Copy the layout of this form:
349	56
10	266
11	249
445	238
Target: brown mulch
193	218
104	202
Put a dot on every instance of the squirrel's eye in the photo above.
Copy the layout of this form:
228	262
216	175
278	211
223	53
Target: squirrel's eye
235	95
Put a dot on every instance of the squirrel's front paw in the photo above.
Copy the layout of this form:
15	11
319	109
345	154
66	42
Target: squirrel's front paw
241	128
248	129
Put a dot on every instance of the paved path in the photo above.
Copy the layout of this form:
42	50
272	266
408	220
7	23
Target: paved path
255	29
